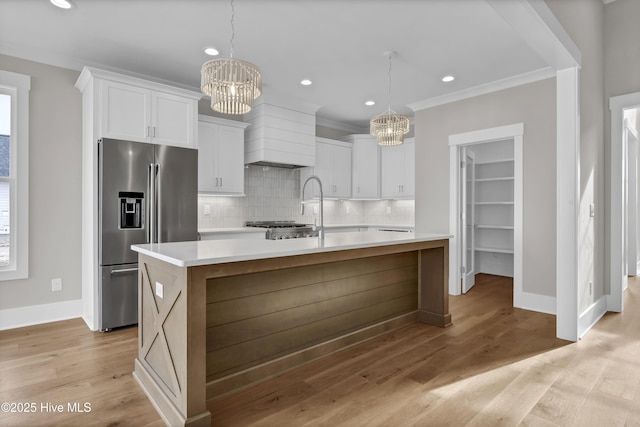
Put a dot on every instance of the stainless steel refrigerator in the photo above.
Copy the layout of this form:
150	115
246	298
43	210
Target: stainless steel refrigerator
147	194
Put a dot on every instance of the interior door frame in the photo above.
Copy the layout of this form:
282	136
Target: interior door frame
513	132
466	218
617	261
630	141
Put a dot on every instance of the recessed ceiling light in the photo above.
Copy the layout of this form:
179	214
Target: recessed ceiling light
211	51
62	4
370	103
306	82
448	79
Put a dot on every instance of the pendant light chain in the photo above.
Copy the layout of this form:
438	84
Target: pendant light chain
233	32
389	94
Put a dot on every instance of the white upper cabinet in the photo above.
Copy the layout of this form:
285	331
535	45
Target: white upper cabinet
365	167
220	156
140	110
397	171
333	167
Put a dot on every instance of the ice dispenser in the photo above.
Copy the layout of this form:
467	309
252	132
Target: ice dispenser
131	209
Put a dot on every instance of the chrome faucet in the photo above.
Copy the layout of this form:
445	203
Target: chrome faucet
321	228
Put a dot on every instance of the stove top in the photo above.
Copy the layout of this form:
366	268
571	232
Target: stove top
275	224
278	230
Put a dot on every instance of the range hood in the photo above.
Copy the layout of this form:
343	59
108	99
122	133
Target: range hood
280	136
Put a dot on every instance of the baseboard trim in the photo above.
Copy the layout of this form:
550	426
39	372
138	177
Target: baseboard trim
591	315
535	302
12	318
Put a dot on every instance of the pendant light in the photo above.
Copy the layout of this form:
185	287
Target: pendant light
389	127
231	83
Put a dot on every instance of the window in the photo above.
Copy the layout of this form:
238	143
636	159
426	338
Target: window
14	175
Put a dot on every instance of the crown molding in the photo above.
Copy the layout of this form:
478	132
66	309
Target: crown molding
519	80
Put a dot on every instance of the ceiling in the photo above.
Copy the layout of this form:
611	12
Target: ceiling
338	44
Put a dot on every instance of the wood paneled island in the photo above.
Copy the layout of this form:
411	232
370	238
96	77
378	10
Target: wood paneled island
217	315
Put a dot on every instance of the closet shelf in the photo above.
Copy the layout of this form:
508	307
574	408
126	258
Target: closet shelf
492	162
502	178
494	250
494	203
495	227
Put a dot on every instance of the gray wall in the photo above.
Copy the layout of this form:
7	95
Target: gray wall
622	71
55	144
535	106
584	21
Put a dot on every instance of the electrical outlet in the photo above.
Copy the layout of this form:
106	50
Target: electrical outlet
160	290
592	210
315	210
206	209
388	209
348	209
56	285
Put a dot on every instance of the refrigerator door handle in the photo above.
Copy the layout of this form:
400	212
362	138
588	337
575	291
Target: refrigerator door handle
157	210
123	270
150	203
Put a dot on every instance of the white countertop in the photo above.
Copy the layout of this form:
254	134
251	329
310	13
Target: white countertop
205	252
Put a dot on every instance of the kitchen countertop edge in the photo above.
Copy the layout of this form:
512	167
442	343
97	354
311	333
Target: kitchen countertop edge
207	252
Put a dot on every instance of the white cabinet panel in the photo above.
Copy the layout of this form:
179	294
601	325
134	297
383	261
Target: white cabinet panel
333	167
125	112
140	114
172	119
366	167
220	156
397	171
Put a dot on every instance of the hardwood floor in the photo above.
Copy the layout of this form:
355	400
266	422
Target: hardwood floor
496	366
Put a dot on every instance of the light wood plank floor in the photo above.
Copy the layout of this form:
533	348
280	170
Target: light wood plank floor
496	366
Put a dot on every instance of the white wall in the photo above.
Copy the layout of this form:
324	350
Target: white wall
55	148
532	104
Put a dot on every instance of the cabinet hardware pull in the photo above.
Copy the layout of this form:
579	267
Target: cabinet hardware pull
220	181
154	131
217	182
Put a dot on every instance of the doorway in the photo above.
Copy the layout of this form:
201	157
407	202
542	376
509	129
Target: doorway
486	169
620	239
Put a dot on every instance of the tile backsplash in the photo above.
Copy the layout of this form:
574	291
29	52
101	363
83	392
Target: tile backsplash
274	194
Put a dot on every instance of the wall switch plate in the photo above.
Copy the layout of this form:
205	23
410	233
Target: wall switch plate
592	210
348	209
206	209
315	210
159	290
56	285
388	209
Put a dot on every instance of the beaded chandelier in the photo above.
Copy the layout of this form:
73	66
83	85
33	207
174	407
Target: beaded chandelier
389	127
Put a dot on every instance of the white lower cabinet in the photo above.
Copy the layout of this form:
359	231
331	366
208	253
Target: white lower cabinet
397	171
220	156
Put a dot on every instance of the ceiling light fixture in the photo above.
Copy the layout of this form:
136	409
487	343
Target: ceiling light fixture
448	79
62	4
389	127
232	84
306	82
370	103
211	51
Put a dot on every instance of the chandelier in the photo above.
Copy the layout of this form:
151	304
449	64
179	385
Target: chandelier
231	83
389	127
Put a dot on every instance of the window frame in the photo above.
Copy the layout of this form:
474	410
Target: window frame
18	87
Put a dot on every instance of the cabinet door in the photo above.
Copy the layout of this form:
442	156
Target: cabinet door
172	119
366	169
207	158
322	169
391	171
125	112
408	187
231	159
341	171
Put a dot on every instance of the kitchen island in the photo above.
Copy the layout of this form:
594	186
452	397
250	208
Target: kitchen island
217	315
